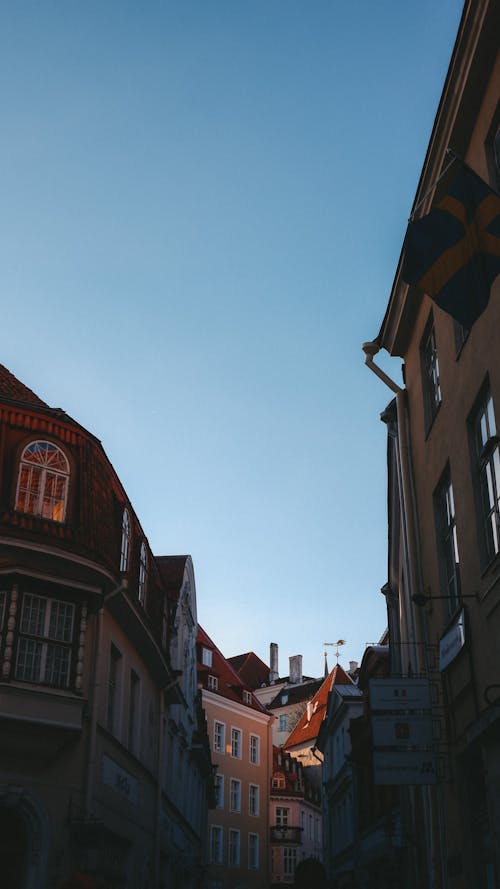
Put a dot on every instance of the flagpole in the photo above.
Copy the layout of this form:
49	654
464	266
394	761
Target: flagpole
436	183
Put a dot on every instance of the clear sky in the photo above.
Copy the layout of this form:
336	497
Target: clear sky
203	208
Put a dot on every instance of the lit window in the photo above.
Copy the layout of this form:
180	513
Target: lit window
254	749
235	795
430	375
213	683
488	470
253	799
215	845
125	547
206	657
234	848
219	732
42	485
143	574
236	743
447	540
45	637
253	851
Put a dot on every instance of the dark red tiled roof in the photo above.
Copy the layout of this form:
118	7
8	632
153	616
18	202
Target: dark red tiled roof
306	730
251	670
13	390
229	683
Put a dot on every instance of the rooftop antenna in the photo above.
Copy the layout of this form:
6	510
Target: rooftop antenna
337	645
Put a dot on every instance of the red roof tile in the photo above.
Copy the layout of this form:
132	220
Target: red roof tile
229	683
306	730
13	390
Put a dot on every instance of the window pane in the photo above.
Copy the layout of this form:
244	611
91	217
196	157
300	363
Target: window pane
61	621
29	654
57	665
33	616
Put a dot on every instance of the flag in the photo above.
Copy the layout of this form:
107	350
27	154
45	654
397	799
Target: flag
453	253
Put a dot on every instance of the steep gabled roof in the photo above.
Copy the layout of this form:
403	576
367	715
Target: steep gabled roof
230	685
11	389
251	670
307	729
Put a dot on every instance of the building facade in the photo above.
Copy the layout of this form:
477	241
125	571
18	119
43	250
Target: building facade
239	729
443	588
87	682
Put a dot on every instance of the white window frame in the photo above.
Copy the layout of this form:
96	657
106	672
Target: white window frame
42	467
43	640
234	848
235	795
236	742
206	656
281	815
253	851
219	736
254	749
289	861
213	682
125	542
254	800
143	575
216	845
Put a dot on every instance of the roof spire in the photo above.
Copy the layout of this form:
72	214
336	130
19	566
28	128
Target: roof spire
326	670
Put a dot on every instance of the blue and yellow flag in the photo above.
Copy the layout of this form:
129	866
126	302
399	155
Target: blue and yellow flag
453	253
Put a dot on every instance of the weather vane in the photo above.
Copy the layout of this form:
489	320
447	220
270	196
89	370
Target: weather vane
337	645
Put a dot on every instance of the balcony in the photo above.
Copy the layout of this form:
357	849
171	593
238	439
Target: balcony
284	833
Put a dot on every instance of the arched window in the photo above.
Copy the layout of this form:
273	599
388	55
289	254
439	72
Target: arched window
143	574
42	485
125	548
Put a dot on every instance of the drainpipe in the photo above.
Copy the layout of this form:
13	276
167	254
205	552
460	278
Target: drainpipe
96	684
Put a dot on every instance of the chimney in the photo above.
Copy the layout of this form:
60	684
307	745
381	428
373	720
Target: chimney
309	710
273	663
353	666
296	669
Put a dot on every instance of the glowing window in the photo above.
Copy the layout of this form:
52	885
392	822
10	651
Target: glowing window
42	485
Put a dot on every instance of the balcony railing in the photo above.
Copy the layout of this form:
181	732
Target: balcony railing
284	833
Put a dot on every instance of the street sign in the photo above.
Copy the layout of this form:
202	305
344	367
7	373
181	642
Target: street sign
400	767
400	694
402	731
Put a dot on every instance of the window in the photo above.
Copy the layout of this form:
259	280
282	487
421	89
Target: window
42	485
289	861
488	470
213	683
125	546
255	749
430	375
283	723
461	334
45	637
447	541
247	697
282	814
236	742
235	795
133	710
253	851
219	732
219	791
113	684
278	783
215	845
253	799
206	657
143	574
234	848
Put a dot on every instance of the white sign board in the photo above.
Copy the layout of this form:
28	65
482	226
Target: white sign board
400	694
402	731
399	767
123	782
452	642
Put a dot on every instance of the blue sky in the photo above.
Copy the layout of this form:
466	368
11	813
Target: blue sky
203	208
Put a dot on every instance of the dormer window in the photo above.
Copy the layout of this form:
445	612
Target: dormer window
143	574
42	485
125	547
247	697
213	683
206	657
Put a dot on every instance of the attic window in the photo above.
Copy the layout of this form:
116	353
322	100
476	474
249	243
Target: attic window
213	683
284	698
143	574
206	657
42	485
125	547
247	697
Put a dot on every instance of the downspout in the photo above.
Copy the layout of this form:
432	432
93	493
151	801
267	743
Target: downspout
96	684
